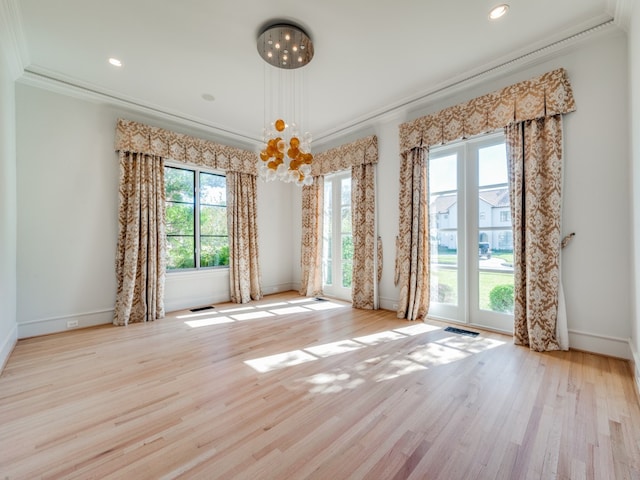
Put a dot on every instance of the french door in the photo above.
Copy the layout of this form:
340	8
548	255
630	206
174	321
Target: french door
471	238
337	244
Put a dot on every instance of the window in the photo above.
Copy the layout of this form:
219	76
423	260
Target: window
196	214
337	236
472	253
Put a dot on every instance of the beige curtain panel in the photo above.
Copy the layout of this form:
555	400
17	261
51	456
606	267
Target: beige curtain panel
140	268
530	111
543	96
412	243
534	150
244	269
360	157
363	229
137	137
140	257
311	244
362	151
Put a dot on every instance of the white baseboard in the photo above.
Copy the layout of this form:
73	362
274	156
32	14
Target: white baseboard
388	303
7	346
45	326
602	344
635	367
184	303
279	288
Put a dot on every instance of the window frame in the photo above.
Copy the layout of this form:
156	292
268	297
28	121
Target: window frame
336	288
197	171
466	310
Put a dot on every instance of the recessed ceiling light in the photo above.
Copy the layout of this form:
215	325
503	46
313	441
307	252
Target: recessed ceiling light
115	62
208	97
498	11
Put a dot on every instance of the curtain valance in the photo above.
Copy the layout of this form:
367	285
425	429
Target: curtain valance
361	152
140	138
546	95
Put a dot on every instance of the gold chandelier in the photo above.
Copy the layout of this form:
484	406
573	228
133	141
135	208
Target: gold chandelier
287	153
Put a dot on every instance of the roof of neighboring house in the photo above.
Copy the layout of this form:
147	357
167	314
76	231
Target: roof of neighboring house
444	202
496	197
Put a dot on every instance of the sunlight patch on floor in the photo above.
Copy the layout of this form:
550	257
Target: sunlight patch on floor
289	310
203	322
256	312
252	315
342	346
334	348
280	360
435	353
324	306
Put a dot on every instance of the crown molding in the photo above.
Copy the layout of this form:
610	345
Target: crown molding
55	82
516	61
622	13
12	39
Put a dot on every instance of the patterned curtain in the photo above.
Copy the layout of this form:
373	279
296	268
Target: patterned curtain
363	208
534	151
244	271
412	246
140	258
311	248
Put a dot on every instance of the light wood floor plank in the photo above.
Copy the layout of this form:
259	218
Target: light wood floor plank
295	388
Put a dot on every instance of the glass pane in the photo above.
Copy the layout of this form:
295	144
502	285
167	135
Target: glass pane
214	251
179	185
345	191
492	165
443	234
345	219
443	238
327	246
347	260
213	189
327	272
444	267
444	286
180	252
495	265
213	220
180	219
443	173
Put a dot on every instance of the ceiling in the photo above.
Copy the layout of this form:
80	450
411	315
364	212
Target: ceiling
370	57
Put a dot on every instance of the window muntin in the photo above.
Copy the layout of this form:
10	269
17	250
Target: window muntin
195	240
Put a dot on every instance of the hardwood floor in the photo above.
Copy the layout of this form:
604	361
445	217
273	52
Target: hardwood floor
292	388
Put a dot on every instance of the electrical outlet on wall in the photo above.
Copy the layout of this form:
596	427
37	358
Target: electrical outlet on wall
72	323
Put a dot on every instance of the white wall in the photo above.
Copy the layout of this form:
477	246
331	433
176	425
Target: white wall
67	201
67	179
597	200
8	288
634	131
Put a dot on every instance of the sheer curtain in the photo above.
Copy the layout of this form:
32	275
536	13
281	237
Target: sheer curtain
412	247
534	151
311	254
244	270
140	257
